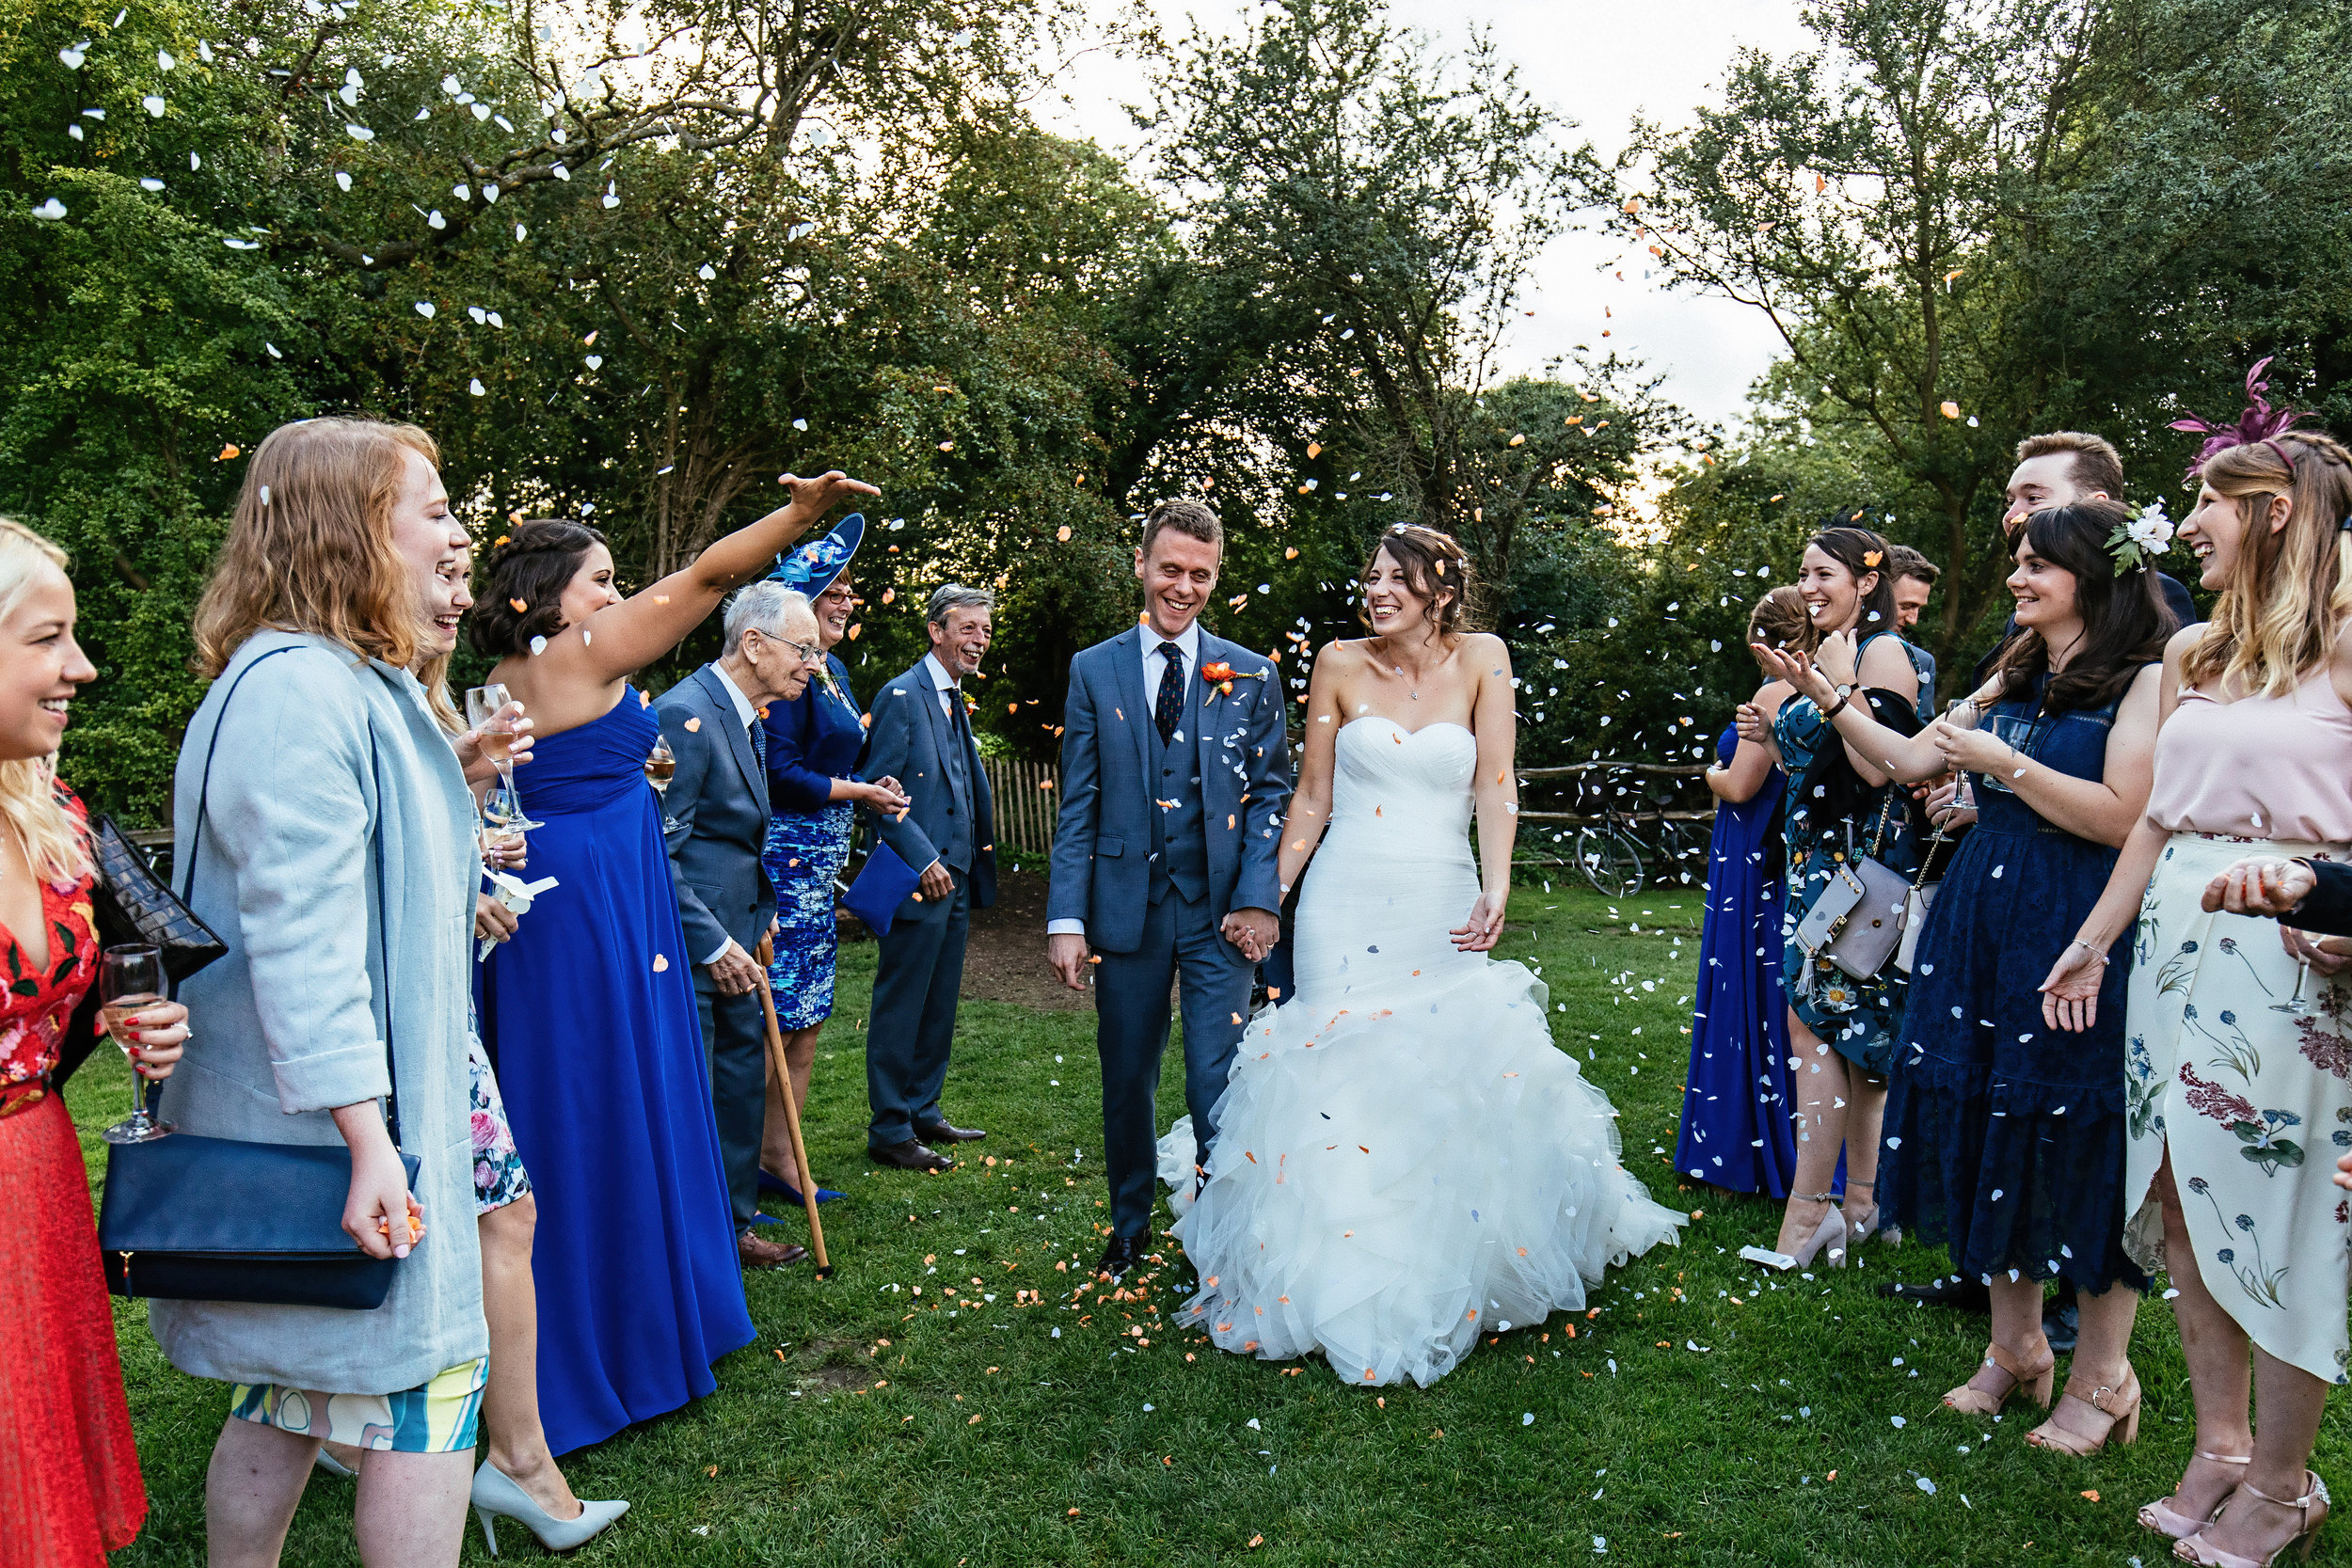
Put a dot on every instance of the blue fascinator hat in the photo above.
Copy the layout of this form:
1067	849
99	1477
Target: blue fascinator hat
811	565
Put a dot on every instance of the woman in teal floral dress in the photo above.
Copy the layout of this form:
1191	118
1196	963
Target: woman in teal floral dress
1841	1030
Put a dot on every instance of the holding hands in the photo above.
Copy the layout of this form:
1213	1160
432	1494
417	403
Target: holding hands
883	795
2261	885
1254	931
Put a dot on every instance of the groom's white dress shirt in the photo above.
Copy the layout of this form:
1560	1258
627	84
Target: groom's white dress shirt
1155	663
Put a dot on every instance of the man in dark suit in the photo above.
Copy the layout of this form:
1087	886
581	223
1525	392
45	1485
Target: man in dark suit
921	733
715	821
1175	772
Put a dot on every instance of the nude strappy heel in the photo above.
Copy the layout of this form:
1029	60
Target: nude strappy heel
2035	1380
1892	1235
2120	1405
2196	1548
2161	1517
1830	1234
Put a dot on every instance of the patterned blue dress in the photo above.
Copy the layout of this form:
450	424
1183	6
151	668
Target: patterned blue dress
2005	1138
812	740
1736	1131
1834	816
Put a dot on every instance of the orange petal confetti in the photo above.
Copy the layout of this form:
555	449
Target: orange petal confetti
661	963
1949	409
2091	1495
520	608
1518	441
1062	533
693	726
1289	552
1314	449
1256	1541
661	598
889	595
228	452
1869	558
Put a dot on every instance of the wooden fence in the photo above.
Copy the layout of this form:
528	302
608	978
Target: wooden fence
1028	802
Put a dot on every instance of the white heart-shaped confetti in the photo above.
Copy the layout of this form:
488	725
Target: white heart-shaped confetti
152	104
163	60
358	132
425	308
476	388
595	361
52	209
342	181
71	58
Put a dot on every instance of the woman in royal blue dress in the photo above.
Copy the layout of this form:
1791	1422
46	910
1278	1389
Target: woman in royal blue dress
812	796
588	1013
1736	1132
2005	1138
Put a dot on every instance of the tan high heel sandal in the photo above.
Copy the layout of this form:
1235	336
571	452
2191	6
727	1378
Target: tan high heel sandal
2161	1516
2120	1405
2196	1548
2035	1380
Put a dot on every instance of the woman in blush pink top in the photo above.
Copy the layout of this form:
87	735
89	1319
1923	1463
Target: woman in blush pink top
2238	1034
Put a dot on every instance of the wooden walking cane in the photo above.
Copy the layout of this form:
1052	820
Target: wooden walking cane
791	1110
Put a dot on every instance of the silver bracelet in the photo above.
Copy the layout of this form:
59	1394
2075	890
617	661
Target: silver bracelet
2079	942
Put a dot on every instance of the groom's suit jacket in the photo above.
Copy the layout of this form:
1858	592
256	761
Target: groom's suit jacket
1102	871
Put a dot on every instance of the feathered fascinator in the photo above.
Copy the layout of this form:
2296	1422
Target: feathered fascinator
2259	422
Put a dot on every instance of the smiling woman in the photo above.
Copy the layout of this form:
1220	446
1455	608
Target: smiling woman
68	1480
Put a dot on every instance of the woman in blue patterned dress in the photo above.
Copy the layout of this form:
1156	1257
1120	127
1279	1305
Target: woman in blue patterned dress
813	791
1841	807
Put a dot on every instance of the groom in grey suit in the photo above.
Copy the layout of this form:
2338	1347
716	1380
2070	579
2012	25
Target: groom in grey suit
1175	772
715	822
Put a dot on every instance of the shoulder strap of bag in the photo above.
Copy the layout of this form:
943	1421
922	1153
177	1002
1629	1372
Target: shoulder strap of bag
375	842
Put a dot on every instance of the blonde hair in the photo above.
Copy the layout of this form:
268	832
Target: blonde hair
2289	591
56	843
311	549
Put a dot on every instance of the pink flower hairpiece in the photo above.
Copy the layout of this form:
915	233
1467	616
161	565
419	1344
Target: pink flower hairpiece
2258	422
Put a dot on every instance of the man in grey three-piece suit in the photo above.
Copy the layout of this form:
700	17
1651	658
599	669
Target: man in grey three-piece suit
921	733
715	821
1175	772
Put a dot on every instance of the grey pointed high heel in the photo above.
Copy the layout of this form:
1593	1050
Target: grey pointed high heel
496	1494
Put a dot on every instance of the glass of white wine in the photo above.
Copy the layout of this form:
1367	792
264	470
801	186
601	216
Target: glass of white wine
503	825
131	980
484	703
660	765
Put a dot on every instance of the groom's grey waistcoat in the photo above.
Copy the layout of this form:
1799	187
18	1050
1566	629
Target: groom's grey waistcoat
1180	844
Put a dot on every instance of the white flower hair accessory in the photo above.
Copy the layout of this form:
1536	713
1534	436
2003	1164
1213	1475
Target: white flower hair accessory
2135	544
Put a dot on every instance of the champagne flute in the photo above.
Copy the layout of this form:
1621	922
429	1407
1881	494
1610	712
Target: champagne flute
660	765
129	980
2295	1003
484	703
502	826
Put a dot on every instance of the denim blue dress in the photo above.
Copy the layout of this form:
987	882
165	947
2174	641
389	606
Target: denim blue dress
2005	1138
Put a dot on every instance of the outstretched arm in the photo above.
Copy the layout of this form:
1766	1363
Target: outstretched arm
612	644
1909	758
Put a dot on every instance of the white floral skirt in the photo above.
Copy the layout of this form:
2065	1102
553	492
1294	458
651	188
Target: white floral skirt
2252	1097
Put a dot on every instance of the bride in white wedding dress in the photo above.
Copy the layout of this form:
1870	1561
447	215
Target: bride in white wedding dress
1404	1160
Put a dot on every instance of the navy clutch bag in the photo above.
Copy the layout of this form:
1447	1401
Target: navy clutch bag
883	884
190	1218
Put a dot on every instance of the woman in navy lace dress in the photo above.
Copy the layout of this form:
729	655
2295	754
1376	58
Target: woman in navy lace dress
2005	1139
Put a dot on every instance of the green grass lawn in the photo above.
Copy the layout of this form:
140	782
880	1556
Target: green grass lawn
1699	1419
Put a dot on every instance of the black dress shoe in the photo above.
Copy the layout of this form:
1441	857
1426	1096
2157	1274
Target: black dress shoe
909	1155
2062	1324
940	1132
1123	1253
1969	1295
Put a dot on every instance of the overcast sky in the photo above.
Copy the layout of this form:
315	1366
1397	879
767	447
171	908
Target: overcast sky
1599	64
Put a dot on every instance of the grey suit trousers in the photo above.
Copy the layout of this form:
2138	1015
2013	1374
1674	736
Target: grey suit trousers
913	1028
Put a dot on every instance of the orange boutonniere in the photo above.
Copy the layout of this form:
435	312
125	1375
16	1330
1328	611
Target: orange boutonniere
1223	675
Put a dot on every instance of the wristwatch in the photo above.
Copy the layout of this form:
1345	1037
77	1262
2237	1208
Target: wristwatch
1845	695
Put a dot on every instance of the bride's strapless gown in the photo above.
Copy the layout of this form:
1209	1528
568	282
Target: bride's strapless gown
1404	1158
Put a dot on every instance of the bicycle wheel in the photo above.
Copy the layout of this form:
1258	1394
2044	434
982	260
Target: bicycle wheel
1608	861
1684	849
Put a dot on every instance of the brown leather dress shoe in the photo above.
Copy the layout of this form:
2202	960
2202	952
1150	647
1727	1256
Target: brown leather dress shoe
758	1254
941	1132
909	1155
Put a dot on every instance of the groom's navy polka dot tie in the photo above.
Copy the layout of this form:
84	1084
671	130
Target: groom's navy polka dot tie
1170	710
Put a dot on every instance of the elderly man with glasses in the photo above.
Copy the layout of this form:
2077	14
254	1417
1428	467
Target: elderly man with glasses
715	823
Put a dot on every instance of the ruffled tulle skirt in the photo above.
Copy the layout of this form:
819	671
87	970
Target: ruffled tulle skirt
1394	1179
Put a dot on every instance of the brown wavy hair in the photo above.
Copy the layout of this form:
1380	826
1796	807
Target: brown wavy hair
2288	592
1438	568
1779	621
310	547
531	567
2126	619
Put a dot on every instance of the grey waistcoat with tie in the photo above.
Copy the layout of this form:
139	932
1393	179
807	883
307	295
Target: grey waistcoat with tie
1180	843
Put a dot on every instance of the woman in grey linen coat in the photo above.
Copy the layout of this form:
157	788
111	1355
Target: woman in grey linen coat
327	755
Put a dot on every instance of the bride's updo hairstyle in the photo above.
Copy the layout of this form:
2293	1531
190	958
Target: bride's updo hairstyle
1434	564
529	569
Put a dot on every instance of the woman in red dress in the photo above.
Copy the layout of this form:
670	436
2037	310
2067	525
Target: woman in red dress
69	1488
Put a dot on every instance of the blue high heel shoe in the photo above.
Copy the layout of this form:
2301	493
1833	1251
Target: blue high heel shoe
790	1194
